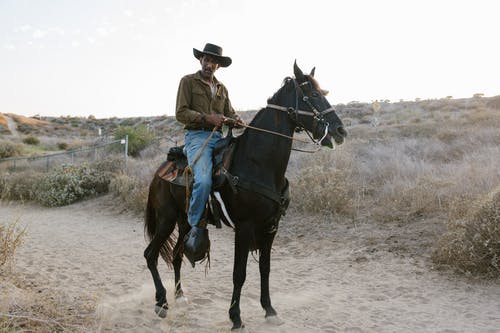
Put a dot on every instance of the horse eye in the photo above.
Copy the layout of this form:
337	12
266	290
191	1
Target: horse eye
315	94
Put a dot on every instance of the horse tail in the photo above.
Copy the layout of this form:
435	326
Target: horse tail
151	224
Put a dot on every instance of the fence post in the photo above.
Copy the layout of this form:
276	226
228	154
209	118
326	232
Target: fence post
126	151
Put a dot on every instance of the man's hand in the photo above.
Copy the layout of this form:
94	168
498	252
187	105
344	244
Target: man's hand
216	120
236	123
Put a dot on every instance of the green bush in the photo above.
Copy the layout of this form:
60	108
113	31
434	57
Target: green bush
9	149
138	138
472	243
70	183
31	140
62	145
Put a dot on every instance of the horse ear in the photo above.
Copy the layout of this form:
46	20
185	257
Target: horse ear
298	72
312	72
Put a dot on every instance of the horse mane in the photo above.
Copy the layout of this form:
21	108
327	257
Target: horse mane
314	82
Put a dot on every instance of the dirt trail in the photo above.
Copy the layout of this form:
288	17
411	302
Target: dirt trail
328	277
12	125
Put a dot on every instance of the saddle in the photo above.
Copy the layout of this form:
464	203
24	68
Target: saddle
172	170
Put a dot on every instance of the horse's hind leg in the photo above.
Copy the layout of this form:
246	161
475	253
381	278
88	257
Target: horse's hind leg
177	262
152	252
265	244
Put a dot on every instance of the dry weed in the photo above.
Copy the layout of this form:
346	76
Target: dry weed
25	308
472	243
11	237
22	120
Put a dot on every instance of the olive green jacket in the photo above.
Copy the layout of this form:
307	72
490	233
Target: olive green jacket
194	98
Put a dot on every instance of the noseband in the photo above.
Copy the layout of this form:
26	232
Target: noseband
318	116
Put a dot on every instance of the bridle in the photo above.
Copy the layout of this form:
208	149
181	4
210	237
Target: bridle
294	113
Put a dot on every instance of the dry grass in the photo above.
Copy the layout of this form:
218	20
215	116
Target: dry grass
419	161
472	243
22	120
30	307
11	237
131	186
3	120
4	125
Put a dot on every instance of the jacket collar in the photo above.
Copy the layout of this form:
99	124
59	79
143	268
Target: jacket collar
199	77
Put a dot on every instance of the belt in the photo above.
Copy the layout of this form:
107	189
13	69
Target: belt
206	128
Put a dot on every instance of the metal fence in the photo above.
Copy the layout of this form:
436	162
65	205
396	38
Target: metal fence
81	155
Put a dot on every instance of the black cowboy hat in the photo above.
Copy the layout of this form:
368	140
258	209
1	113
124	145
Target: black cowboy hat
214	51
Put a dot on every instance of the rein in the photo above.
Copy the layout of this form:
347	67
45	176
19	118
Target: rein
294	114
273	132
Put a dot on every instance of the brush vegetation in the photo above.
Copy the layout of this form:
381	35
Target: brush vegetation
405	165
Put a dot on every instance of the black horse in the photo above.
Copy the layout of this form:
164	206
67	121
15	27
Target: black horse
259	162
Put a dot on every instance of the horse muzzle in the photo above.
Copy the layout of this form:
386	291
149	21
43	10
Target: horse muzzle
338	135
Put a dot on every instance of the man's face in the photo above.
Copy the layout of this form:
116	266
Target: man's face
208	66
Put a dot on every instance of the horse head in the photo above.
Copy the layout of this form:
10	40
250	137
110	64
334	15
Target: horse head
309	109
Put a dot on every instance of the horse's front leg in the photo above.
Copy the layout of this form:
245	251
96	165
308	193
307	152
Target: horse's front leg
265	245
244	233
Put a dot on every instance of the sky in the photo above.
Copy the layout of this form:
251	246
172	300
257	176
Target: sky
124	58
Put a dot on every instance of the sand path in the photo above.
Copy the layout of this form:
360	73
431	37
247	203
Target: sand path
333	277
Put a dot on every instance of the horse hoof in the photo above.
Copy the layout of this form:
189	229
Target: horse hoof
161	311
181	300
241	329
274	320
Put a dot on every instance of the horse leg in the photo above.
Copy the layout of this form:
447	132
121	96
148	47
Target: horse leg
244	232
177	262
164	229
265	244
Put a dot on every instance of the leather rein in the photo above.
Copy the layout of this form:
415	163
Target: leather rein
318	117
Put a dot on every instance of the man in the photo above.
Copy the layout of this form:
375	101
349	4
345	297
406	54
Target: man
202	105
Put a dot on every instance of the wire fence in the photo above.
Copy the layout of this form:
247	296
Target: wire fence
81	155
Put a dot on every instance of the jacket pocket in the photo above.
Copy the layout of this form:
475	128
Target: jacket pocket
199	101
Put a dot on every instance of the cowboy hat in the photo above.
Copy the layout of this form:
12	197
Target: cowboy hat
214	51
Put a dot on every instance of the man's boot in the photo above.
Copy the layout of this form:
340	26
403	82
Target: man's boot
196	244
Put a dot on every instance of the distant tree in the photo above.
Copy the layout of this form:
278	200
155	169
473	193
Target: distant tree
31	140
138	138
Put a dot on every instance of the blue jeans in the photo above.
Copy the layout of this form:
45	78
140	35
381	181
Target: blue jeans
202	170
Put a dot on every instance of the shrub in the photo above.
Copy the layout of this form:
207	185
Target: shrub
323	186
322	190
62	145
138	138
11	236
18	185
131	191
70	183
31	140
472	244
9	149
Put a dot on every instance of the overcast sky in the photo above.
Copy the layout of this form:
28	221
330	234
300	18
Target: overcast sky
125	58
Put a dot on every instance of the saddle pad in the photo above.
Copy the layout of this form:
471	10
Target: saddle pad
168	171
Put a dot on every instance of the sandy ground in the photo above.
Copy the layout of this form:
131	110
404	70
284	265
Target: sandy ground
326	276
